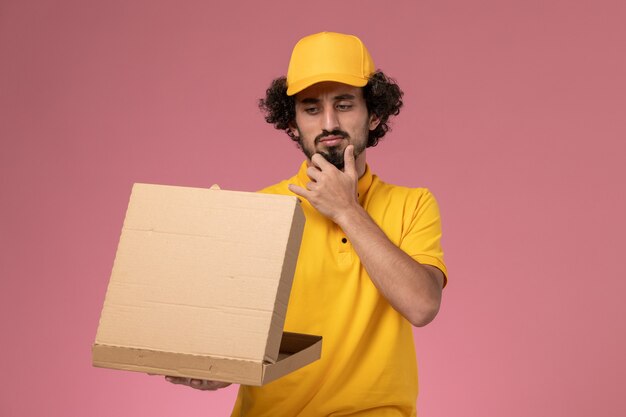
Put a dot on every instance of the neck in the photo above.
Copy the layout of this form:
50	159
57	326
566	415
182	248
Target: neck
360	164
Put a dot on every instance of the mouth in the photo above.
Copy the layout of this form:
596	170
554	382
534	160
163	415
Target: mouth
331	140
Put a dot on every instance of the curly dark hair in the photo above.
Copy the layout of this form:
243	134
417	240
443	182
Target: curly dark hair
382	94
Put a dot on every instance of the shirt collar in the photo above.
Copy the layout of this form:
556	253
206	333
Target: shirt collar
362	188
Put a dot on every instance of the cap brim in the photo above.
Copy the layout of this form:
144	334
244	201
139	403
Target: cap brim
354	81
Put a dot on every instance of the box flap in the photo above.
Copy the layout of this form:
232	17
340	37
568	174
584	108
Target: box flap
203	272
297	350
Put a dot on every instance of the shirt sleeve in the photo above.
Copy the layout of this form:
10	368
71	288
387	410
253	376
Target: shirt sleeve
421	240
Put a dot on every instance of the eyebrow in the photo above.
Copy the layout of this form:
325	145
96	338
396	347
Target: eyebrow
312	100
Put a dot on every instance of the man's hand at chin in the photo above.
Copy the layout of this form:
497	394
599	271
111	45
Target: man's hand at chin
331	191
201	384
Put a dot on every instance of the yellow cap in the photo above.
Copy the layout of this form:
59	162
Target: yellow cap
328	56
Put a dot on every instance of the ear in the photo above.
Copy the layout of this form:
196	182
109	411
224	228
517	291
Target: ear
374	121
293	129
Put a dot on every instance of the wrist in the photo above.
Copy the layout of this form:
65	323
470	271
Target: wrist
350	215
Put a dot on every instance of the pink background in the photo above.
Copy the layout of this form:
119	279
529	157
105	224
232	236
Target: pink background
514	117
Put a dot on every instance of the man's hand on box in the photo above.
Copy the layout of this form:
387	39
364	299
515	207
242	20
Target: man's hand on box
201	384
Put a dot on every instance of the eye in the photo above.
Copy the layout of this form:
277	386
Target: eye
311	110
344	106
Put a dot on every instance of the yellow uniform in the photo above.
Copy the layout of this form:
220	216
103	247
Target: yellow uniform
368	365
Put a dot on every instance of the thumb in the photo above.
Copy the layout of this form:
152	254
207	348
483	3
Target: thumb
348	159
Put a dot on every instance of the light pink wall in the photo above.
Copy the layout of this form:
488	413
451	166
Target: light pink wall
515	118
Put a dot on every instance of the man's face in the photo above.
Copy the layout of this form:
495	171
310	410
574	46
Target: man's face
329	117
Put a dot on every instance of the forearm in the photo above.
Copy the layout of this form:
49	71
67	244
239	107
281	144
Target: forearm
411	288
414	290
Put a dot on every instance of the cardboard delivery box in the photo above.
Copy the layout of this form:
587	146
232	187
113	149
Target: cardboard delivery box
200	287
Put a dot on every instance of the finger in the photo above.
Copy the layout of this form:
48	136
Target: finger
311	186
321	162
214	385
348	158
204	385
197	383
296	189
313	173
177	380
200	384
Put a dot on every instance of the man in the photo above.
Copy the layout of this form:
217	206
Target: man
370	263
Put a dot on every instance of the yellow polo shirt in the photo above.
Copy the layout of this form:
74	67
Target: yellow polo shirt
368	365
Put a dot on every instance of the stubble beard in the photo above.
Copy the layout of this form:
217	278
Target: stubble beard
333	154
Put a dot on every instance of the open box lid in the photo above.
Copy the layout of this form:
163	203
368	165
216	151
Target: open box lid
203	273
296	351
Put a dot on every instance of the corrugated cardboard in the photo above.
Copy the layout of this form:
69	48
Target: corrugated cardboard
200	286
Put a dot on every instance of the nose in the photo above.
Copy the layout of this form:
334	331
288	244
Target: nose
330	120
